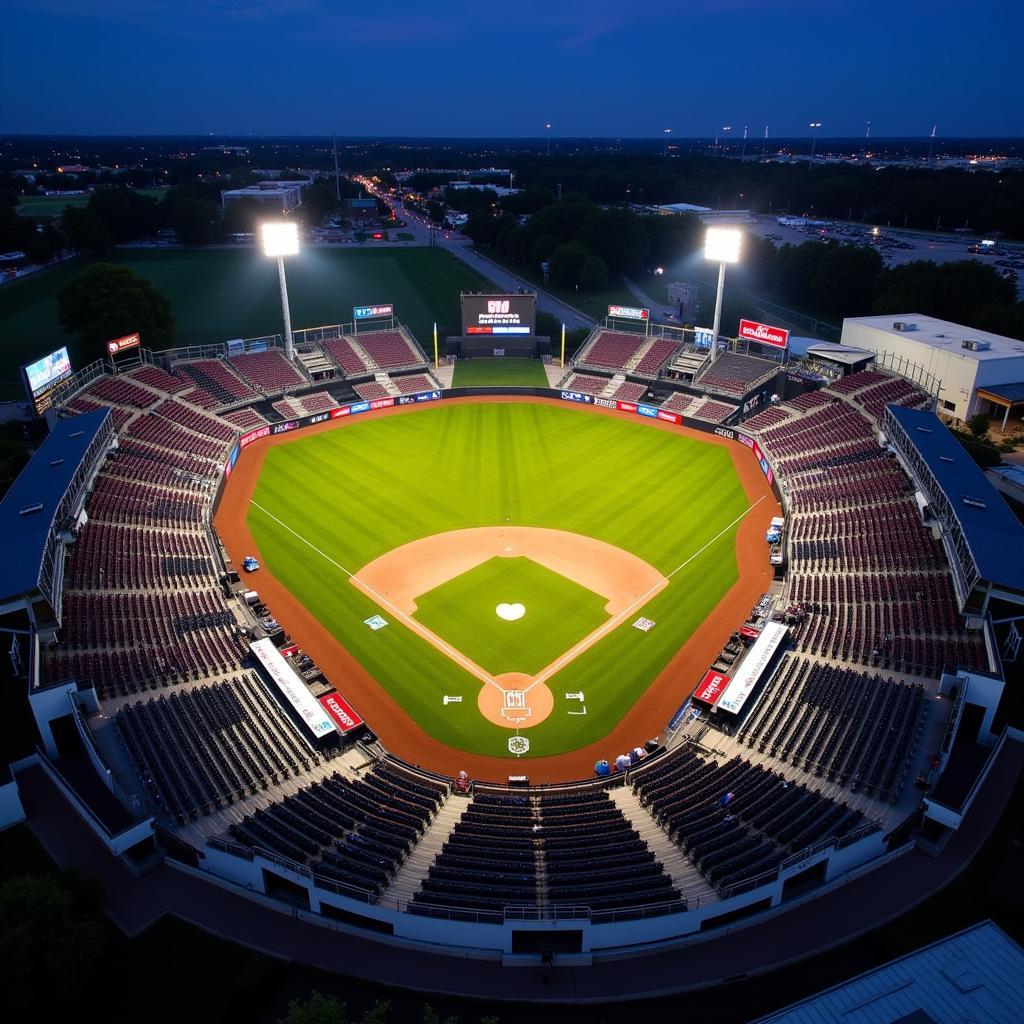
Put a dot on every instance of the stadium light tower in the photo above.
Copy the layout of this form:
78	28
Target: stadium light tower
815	125
723	246
280	239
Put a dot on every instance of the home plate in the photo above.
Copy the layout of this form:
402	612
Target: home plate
510	612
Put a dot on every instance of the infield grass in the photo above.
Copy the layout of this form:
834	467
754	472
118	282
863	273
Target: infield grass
559	613
351	494
503	372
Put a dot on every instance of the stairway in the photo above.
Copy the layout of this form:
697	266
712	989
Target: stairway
685	877
634	360
361	352
387	384
613	385
409	877
315	362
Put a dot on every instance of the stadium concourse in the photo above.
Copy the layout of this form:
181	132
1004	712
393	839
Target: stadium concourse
845	723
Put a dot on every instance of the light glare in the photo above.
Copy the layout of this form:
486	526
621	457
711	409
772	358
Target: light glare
280	238
723	244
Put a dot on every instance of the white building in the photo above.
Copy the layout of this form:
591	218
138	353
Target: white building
283	196
706	214
961	359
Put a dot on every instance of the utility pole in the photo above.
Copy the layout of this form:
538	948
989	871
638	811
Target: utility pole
743	152
931	144
337	180
764	141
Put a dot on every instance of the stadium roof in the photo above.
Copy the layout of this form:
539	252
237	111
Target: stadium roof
846	354
993	533
28	509
974	975
942	334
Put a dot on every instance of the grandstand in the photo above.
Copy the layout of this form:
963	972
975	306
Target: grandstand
897	550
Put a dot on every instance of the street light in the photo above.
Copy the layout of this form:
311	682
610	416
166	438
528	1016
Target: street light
721	245
280	239
815	125
548	127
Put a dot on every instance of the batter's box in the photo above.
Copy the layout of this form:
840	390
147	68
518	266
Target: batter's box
515	706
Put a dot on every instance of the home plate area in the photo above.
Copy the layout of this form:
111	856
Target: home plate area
511	605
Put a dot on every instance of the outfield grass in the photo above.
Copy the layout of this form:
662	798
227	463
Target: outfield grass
53	206
357	492
217	294
559	613
491	372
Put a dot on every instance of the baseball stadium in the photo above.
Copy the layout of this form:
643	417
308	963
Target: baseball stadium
671	662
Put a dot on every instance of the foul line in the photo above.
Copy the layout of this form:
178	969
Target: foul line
457	656
614	623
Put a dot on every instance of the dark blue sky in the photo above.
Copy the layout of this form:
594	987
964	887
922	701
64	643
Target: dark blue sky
466	67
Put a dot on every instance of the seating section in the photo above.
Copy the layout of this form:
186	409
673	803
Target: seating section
160	431
629	391
371	391
587	384
680	402
735	374
196	421
413	383
770	417
205	748
121	391
355	833
894	391
738	820
138	461
659	353
216	377
854	729
612	350
159	379
512	849
713	411
246	418
318	401
390	350
268	372
348	359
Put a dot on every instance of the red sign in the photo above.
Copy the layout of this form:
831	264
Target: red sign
341	713
764	334
711	687
120	344
670	417
291	649
625	406
336	414
254	435
382	403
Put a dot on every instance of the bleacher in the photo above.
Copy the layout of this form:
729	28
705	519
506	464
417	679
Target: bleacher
660	352
735	374
216	377
390	350
586	383
611	350
713	411
268	372
349	361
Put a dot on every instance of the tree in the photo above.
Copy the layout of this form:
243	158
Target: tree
196	221
126	213
978	425
85	230
567	262
321	1009
593	274
107	301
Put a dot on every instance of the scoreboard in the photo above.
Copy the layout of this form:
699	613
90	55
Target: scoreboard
499	314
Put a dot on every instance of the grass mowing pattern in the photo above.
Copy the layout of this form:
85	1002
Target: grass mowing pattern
362	490
491	372
559	613
233	293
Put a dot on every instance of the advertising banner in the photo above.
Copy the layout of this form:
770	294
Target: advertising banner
629	313
120	344
344	718
764	334
626	406
647	410
669	416
740	687
372	312
293	689
711	687
577	396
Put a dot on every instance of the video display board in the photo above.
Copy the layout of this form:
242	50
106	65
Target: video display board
499	314
42	376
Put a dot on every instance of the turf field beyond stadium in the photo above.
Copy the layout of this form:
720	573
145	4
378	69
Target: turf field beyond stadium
328	504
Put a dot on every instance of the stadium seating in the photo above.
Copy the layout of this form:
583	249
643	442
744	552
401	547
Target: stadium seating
656	356
370	390
586	383
389	350
629	391
246	418
413	383
612	350
159	379
268	372
216	377
121	391
713	411
735	374
348	359
680	402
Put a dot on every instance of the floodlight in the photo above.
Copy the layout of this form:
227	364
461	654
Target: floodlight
280	238
723	244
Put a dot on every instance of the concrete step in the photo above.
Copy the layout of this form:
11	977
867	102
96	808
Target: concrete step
685	877
409	878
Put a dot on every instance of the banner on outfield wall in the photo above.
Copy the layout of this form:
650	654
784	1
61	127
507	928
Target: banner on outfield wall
711	687
293	689
341	712
764	334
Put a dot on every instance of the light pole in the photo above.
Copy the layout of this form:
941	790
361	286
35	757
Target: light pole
726	128
723	246
815	125
666	132
548	127
280	239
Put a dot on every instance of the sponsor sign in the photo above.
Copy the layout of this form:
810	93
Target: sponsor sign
647	410
236	346
120	344
320	417
427	396
742	684
764	334
372	312
382	403
670	417
283	428
232	459
254	435
577	396
292	688
340	711
722	432
605	403
629	313
743	439
711	687
406	400
626	406
336	414
702	338
359	407
290	651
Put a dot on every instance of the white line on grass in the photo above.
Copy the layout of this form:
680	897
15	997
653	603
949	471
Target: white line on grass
614	623
457	656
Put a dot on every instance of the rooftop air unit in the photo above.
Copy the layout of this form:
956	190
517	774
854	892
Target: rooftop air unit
975	346
902	326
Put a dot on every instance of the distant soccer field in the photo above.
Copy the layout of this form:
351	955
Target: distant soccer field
483	372
351	495
53	206
217	294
